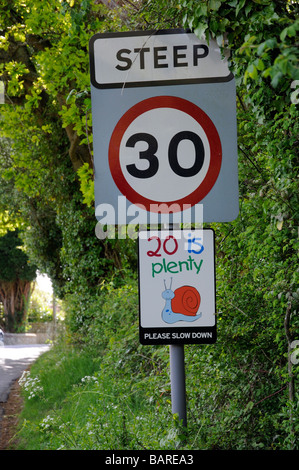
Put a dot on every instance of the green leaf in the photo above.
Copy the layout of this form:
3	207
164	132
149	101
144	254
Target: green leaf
252	71
259	64
277	76
290	31
240	5
215	4
200	30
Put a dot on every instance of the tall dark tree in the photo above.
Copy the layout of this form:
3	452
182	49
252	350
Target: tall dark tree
16	281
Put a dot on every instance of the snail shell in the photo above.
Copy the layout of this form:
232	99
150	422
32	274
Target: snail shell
186	301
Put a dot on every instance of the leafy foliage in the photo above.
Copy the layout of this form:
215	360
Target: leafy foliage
46	122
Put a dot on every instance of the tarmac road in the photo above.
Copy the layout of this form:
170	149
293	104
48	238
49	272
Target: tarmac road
13	361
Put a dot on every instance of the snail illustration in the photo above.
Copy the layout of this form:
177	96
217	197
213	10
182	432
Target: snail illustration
180	305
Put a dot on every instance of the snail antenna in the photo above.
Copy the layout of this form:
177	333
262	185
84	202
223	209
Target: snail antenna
170	283
165	285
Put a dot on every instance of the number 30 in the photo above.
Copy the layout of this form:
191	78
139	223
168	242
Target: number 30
150	154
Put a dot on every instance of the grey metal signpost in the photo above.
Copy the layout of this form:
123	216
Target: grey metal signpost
178	382
165	141
177	297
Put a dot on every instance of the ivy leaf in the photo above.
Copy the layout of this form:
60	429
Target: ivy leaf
240	5
276	79
200	30
290	31
252	71
215	4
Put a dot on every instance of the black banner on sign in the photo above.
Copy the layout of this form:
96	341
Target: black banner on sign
204	335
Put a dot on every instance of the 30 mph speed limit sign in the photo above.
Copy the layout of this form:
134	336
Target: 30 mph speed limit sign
165	149
164	126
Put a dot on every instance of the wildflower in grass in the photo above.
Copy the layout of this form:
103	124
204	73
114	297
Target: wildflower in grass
47	422
31	385
89	379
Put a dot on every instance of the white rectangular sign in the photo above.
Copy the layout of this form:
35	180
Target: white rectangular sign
147	58
177	287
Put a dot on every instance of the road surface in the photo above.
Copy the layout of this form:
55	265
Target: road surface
13	361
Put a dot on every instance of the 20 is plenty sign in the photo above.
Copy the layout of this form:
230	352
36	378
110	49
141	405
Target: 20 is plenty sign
177	287
164	125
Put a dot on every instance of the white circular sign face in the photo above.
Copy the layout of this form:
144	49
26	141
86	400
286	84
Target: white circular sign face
163	124
165	150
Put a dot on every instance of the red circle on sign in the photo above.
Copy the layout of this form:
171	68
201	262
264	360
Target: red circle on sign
203	120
